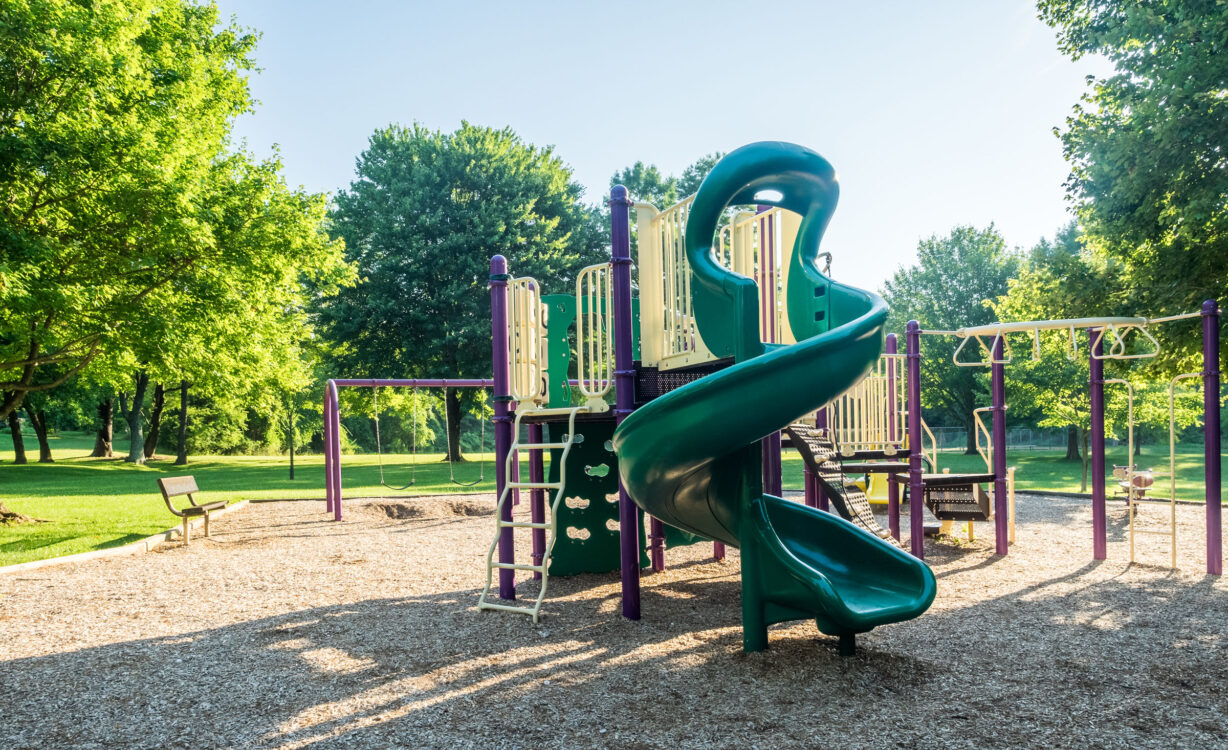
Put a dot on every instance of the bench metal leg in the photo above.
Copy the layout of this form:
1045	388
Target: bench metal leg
206	524
187	530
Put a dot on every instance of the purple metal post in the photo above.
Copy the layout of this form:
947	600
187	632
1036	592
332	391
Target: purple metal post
537	498
624	381
334	419
1211	435
893	486
997	370
502	418
771	464
916	487
328	453
1096	394
820	496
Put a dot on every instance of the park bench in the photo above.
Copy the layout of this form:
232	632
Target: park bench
180	486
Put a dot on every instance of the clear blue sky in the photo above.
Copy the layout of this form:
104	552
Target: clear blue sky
933	113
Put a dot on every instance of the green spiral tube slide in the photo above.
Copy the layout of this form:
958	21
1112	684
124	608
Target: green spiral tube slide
692	457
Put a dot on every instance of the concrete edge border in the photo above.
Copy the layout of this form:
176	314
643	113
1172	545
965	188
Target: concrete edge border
138	547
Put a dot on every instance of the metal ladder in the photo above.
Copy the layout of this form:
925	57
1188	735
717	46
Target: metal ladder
550	525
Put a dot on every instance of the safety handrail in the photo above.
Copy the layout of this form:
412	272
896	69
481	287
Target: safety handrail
595	332
979	427
526	342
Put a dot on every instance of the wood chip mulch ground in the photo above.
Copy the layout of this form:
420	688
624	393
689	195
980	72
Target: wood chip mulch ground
286	630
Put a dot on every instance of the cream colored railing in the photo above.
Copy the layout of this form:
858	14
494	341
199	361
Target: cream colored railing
870	415
526	343
595	333
762	245
757	246
985	450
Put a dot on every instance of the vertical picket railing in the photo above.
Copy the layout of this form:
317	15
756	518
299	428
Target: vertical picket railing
595	332
526	342
862	417
755	245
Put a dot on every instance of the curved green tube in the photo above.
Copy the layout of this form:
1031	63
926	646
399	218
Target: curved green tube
692	457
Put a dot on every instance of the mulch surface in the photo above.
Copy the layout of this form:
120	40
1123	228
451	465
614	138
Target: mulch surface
286	630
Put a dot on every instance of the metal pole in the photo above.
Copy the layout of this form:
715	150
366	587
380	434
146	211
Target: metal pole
997	371
916	487
1211	436
328	453
419	382
820	496
771	464
624	381
537	498
502	417
1096	393
893	486
334	418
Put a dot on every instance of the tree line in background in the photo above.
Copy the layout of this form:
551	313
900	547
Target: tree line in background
156	273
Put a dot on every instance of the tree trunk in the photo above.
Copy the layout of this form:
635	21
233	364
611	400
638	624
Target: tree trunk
1072	443
291	441
971	448
1086	459
132	414
19	446
453	415
39	420
155	420
106	430
181	458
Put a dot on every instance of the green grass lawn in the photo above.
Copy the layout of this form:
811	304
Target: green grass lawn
93	503
1049	470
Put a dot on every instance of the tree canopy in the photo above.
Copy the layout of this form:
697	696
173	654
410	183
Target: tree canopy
421	220
950	287
111	114
1146	146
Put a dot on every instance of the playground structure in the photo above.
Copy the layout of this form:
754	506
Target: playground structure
1123	335
736	333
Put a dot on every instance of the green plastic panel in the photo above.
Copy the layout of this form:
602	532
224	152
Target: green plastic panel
588	516
560	320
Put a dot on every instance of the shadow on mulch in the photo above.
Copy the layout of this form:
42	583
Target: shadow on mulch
1044	669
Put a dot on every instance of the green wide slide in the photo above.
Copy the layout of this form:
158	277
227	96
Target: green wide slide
692	457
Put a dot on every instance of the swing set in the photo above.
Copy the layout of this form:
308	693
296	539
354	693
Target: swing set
413	459
332	433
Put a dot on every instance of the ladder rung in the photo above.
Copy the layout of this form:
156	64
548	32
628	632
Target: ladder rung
518	566
539	446
523	525
508	608
1152	502
535	485
1155	533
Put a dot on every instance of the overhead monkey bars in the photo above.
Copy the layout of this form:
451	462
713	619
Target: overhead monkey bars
1117	329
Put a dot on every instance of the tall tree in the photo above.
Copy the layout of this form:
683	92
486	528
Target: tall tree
421	220
19	445
1060	279
111	114
1147	148
949	288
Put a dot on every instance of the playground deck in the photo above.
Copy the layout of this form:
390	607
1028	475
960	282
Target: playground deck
286	630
